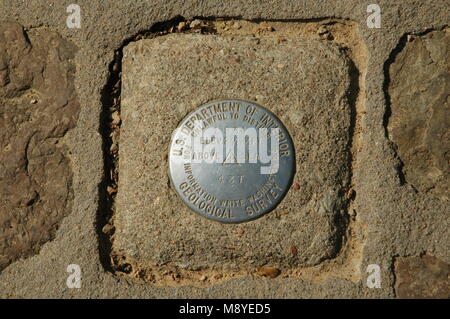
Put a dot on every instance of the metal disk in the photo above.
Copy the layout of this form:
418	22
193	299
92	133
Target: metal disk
231	161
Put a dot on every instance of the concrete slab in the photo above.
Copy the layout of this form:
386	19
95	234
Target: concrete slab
303	82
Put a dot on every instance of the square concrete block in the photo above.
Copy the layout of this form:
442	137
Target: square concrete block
304	82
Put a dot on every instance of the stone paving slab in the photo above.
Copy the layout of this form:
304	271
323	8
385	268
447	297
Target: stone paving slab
420	111
38	106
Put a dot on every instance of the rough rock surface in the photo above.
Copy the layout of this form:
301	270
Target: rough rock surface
419	125
304	82
37	107
422	277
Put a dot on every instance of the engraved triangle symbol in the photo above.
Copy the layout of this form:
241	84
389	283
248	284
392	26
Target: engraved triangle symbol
231	160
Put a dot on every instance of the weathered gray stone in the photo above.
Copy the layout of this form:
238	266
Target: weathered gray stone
303	82
37	107
422	277
419	91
